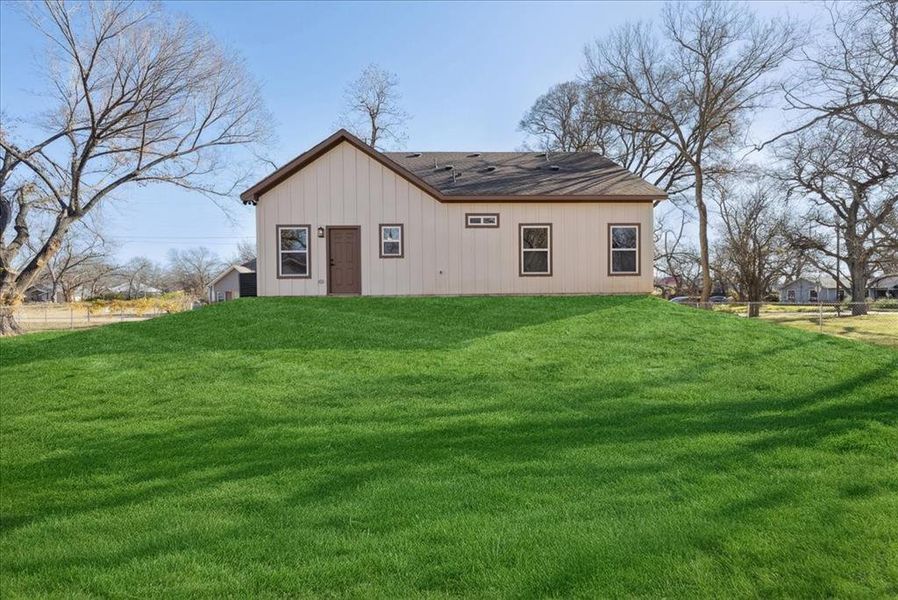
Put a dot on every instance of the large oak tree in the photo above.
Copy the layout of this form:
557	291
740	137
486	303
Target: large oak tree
695	82
137	97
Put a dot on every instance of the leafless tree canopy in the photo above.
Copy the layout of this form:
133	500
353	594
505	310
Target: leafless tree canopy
83	258
581	117
139	97
564	119
372	111
137	275
754	250
246	251
676	258
851	74
694	83
851	183
192	270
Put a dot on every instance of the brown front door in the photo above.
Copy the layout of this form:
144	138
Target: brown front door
344	259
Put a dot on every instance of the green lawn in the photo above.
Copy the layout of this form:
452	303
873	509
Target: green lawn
514	447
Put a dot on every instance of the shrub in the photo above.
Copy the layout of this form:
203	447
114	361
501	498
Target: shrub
885	303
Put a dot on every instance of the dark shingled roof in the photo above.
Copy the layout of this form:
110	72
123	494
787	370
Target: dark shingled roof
523	174
490	176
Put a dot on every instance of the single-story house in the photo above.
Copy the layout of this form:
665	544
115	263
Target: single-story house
883	287
42	292
804	290
237	281
134	290
344	218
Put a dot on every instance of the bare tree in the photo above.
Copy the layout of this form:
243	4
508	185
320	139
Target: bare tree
372	109
564	119
695	83
753	249
192	270
76	262
852	72
246	251
97	277
139	98
582	117
138	275
851	183
675	257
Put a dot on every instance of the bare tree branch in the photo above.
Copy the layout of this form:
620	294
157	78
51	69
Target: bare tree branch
140	97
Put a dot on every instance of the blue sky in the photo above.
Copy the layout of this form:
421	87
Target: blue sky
468	72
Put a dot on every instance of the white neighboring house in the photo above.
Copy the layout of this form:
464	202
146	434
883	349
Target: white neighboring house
135	290
234	282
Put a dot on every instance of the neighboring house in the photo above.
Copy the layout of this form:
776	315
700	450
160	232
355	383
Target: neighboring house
344	218
883	287
237	281
41	293
804	290
134	290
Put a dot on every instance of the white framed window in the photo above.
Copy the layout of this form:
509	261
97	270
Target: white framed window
812	296
790	295
482	220
623	254
293	251
219	297
535	249
392	240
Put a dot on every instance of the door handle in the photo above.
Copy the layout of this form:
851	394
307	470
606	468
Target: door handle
332	262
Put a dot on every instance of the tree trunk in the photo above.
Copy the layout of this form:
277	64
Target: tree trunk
858	288
754	300
703	236
857	262
12	287
10	298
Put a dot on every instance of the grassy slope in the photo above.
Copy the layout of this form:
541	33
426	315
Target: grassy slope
488	446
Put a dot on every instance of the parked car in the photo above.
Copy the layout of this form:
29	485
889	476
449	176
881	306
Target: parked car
718	299
685	300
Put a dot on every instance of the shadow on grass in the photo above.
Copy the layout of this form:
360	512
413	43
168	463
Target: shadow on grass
359	323
229	449
635	425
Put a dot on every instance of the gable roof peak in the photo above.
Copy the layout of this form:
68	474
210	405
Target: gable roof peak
488	176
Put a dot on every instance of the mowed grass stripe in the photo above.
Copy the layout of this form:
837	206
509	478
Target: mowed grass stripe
397	447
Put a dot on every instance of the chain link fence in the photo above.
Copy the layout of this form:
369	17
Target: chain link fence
874	321
48	316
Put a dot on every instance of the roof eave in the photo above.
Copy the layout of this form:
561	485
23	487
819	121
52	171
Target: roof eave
251	195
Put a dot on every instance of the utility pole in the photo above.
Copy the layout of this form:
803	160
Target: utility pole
838	262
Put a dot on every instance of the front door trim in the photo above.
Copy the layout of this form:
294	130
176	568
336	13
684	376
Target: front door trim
327	258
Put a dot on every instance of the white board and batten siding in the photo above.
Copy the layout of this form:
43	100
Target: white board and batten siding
441	256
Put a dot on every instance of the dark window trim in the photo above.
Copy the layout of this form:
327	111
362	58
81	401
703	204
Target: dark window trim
521	272
638	271
380	240
469	226
277	255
